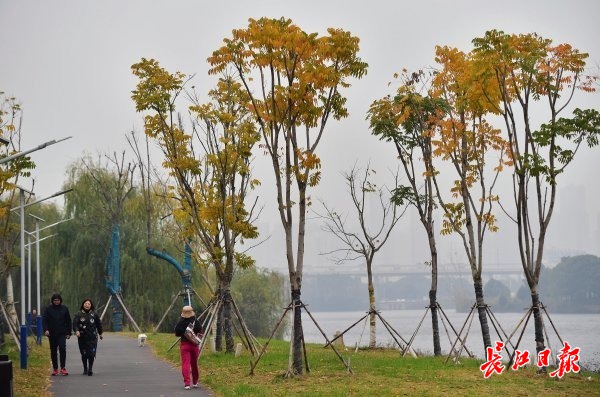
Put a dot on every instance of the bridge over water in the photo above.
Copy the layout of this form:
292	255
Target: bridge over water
398	271
510	274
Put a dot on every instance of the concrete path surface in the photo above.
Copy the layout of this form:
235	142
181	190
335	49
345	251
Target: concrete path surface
122	368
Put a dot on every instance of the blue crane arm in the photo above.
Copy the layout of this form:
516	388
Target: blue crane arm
184	272
166	257
186	276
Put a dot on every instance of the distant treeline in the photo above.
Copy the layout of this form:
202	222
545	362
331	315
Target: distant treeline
573	286
74	264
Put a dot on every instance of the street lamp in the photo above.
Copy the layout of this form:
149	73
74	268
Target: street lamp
37	256
21	154
21	207
38	318
28	249
40	200
23	324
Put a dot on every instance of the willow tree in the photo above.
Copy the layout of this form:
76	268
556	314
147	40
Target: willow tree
10	172
211	167
112	184
77	255
528	69
293	80
475	151
409	120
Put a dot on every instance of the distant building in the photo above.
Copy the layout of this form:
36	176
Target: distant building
570	230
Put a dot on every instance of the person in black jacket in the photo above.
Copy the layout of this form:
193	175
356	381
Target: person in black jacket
87	327
56	322
189	350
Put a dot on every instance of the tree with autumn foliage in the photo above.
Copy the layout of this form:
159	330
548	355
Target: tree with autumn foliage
294	81
530	78
10	172
211	167
477	153
409	120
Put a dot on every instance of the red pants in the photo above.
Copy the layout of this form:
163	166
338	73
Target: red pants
189	360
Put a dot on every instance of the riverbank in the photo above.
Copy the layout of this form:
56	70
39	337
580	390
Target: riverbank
578	329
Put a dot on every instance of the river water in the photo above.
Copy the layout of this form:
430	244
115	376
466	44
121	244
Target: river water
579	330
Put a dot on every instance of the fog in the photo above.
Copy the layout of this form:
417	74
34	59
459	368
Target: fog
68	63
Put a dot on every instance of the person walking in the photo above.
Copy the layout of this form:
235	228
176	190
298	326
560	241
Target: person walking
189	349
87	327
32	323
56	322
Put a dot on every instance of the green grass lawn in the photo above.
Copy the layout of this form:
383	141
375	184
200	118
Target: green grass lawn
34	381
380	372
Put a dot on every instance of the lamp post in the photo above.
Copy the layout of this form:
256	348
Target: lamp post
36	235
23	326
25	152
21	207
37	256
28	248
38	317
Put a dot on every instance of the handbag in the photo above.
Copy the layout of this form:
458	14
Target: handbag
190	335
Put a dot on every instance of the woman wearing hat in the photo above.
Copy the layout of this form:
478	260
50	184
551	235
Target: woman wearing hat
189	350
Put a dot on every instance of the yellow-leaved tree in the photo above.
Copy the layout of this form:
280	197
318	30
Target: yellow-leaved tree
10	131
211	168
527	69
293	80
477	153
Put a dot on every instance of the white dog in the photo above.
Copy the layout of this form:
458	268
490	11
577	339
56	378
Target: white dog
142	340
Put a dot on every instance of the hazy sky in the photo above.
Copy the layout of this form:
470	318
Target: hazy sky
68	63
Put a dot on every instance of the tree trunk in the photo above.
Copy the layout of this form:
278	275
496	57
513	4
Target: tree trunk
538	321
10	303
297	357
219	328
485	329
437	349
227	323
372	317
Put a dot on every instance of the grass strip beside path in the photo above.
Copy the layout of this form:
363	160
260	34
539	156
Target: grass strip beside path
379	372
35	380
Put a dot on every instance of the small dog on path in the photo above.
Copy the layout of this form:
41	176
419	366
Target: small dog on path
142	340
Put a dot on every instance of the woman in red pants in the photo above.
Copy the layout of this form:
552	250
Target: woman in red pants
189	346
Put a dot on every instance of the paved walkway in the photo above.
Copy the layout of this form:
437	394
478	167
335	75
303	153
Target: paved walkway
122	368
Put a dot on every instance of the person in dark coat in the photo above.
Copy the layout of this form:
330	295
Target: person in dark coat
189	350
87	327
56	322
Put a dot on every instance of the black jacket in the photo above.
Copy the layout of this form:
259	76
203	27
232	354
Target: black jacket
88	324
57	320
184	322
